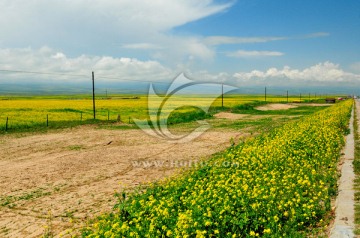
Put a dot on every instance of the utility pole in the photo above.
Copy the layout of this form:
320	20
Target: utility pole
93	95
300	97
222	95
265	94
287	95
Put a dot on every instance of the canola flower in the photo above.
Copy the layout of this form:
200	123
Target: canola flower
282	183
33	111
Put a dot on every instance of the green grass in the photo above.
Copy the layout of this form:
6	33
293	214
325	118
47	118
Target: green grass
65	110
191	114
356	164
118	127
76	147
250	108
254	125
43	127
9	201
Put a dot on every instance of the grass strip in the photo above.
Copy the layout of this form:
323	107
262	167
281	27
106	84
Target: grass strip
356	164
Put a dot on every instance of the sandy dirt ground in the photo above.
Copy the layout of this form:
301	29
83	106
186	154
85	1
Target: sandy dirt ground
53	182
312	104
275	106
280	106
230	116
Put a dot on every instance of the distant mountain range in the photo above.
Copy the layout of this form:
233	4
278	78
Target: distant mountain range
57	88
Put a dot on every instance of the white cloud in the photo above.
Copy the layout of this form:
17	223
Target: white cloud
325	73
52	61
315	35
110	27
141	46
120	69
219	40
246	54
205	76
160	15
355	67
95	27
183	49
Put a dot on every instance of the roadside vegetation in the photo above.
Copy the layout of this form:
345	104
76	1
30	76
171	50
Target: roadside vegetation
278	184
357	172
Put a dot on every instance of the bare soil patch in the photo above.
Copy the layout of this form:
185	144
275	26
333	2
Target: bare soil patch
312	104
230	116
275	106
56	181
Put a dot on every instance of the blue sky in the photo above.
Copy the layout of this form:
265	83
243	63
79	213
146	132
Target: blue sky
243	42
337	24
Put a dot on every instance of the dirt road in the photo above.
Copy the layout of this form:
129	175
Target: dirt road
53	182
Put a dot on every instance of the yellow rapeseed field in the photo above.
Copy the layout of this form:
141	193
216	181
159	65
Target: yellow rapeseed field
34	111
31	112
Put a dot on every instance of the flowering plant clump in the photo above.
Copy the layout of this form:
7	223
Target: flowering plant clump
273	185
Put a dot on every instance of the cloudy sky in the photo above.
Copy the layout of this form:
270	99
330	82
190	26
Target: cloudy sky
239	42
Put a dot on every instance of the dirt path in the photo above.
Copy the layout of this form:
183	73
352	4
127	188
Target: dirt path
344	206
275	106
282	106
230	116
53	182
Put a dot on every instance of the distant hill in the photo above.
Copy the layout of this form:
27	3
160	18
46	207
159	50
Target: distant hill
57	88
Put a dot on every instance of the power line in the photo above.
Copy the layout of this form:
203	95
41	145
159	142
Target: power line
78	75
42	73
135	80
